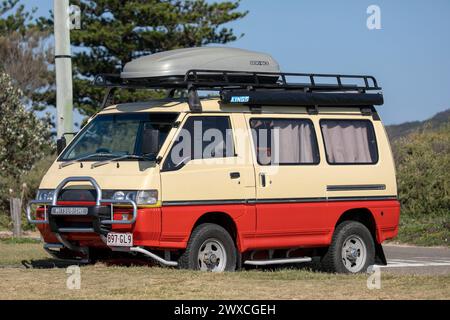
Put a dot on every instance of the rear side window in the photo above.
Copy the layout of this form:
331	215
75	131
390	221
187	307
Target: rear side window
349	141
202	137
284	141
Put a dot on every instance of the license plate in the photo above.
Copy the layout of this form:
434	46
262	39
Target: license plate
69	211
119	239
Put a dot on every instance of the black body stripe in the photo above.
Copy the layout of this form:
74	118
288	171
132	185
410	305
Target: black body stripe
356	187
269	201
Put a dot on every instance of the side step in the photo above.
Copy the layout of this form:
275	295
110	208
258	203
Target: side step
147	253
277	261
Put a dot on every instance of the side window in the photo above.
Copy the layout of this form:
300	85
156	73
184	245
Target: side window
202	137
349	141
284	141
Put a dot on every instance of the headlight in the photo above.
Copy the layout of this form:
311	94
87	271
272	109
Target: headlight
147	197
45	195
122	195
144	197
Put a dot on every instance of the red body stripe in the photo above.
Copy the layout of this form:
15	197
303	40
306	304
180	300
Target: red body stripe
261	226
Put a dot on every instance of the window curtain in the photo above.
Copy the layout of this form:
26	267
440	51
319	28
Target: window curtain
347	141
295	142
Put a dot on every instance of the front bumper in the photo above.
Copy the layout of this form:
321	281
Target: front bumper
98	219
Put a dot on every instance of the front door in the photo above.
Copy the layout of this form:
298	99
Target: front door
209	177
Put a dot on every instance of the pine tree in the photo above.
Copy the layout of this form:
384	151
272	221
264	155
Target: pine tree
113	32
17	21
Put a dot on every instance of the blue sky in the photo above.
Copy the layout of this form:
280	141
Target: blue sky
410	55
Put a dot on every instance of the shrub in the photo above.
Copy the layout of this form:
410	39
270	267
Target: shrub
24	141
423	172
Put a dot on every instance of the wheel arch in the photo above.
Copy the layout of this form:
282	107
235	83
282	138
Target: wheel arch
362	215
222	219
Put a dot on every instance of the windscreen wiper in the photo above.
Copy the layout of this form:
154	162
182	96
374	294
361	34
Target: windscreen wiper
126	156
98	154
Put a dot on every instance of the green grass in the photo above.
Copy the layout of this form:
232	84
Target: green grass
15	253
19	240
424	230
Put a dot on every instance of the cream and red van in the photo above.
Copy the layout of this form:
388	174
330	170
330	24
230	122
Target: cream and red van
279	168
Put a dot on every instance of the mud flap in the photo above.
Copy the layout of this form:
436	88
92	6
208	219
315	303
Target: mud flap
380	258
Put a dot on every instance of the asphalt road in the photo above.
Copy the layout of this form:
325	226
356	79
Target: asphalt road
417	260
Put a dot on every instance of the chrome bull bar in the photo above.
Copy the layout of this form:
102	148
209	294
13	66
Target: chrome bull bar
99	201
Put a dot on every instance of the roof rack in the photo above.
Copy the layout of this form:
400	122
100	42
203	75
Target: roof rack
259	88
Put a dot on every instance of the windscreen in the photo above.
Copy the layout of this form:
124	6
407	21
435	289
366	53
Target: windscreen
115	135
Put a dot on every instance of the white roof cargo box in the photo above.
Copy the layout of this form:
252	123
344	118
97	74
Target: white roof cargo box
241	77
179	62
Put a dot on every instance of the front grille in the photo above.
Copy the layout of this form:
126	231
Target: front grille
84	195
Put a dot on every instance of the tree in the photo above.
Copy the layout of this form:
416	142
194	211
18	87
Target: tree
24	141
24	138
114	32
26	58
19	21
26	54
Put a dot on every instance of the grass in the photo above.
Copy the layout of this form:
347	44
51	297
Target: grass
19	240
99	281
15	253
425	230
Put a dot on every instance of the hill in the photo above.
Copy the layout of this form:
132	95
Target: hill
404	129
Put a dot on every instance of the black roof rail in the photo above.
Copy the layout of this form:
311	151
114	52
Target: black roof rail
260	88
278	80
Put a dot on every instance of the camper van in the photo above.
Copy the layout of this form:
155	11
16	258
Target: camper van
238	164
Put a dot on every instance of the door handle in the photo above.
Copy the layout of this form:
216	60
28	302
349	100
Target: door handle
263	179
235	175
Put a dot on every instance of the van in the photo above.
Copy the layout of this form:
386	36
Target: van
279	168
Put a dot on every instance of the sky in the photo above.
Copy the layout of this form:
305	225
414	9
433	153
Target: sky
409	55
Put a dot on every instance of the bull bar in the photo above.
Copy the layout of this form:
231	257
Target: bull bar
99	201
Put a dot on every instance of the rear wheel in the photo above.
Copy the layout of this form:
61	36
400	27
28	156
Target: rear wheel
210	248
352	249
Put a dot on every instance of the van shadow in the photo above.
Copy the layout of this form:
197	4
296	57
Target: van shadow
306	266
52	263
49	263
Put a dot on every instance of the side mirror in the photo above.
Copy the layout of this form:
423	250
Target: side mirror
150	141
60	145
69	136
62	142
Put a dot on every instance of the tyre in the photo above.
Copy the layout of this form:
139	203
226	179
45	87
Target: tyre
352	249
210	248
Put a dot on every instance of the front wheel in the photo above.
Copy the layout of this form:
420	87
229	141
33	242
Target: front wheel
210	248
352	249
